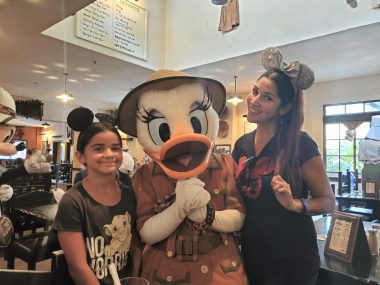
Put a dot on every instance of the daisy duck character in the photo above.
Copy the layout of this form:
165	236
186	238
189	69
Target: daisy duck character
8	124
187	203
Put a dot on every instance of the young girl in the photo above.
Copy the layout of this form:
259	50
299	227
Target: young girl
96	218
279	168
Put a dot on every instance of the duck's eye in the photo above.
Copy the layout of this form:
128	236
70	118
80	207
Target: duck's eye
8	136
198	120
159	130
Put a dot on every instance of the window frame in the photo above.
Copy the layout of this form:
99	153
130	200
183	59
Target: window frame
341	118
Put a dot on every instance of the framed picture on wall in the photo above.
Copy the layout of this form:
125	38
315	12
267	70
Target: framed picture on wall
222	148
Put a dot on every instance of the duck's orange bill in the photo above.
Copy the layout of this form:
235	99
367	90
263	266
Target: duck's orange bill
184	156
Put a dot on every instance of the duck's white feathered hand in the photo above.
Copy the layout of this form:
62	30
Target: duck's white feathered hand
37	163
191	195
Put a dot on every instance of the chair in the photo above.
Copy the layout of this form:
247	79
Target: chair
24	220
26	277
28	213
32	248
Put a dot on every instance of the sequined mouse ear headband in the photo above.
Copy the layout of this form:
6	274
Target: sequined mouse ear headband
301	76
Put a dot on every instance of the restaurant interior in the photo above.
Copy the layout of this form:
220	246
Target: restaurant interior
53	61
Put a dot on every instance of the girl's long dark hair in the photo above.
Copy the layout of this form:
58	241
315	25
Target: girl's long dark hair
289	131
88	133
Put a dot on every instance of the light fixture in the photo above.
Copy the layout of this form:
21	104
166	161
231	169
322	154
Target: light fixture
235	99
65	96
352	3
46	125
219	2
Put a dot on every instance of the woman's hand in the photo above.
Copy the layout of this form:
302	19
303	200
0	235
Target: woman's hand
283	194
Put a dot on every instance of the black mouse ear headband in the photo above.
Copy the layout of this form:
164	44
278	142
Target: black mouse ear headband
81	118
301	76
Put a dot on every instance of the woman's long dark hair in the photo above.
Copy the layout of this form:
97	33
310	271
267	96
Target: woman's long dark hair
289	130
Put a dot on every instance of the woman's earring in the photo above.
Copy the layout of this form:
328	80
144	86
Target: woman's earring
281	120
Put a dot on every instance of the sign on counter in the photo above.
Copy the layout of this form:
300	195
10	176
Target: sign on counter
116	24
346	239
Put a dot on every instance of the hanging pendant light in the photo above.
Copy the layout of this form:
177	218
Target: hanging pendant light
65	96
235	99
45	125
219	2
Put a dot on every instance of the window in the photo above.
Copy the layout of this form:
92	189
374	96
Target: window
345	127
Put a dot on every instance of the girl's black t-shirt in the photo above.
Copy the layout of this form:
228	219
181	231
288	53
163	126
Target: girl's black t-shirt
108	230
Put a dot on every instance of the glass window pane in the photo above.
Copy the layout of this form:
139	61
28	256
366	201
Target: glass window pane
332	131
335	110
346	162
342	131
332	147
354	108
372	106
346	147
332	163
362	130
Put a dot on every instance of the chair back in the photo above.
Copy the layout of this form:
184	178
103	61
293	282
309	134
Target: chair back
22	221
31	182
26	277
33	199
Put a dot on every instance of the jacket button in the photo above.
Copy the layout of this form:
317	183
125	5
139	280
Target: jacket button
204	269
169	253
234	264
216	191
169	278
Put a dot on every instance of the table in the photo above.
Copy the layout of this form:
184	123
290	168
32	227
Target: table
346	200
367	273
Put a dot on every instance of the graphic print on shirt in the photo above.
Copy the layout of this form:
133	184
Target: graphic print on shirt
116	251
249	172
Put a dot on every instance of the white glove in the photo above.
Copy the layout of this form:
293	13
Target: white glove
6	192
227	221
162	225
37	163
198	215
58	193
191	195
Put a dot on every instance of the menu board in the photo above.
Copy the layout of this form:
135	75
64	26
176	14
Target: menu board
346	239
116	24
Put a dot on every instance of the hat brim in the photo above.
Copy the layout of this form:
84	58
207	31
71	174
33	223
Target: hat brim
126	114
12	122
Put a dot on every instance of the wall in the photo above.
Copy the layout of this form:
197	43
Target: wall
30	134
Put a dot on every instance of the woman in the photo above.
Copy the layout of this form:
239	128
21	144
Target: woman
278	168
96	217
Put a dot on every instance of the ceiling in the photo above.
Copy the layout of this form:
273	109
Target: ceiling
32	65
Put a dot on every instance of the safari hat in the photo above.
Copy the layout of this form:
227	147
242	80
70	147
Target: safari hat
8	110
164	79
374	131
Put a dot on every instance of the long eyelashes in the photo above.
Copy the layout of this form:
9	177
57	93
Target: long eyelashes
147	116
206	102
